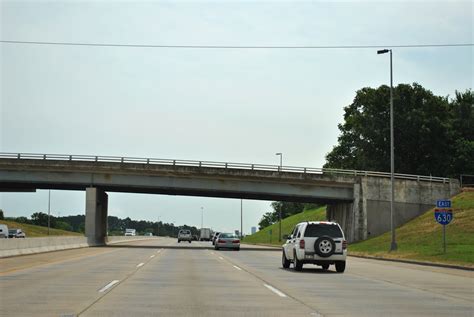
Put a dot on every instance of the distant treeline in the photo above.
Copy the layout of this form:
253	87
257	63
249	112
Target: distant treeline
116	226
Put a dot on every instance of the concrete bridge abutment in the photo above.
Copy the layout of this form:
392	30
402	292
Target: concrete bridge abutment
368	215
96	216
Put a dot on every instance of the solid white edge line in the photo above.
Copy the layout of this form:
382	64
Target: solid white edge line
274	290
140	264
106	287
238	268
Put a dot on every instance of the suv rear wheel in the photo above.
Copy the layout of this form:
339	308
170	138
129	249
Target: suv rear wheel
340	266
297	264
284	261
324	246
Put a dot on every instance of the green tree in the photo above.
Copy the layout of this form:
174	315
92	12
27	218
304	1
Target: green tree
22	219
63	226
423	129
287	208
462	134
268	219
2	217
41	219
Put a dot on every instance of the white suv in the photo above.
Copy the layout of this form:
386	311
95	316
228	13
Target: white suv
316	242
184	235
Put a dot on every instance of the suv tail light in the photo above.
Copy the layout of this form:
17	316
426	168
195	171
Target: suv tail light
301	244
344	244
236	241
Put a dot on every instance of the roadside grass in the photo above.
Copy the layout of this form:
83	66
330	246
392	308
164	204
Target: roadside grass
422	238
263	236
33	231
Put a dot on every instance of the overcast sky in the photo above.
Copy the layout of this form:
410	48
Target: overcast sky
223	105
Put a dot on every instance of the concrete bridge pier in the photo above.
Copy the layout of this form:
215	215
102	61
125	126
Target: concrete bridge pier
96	216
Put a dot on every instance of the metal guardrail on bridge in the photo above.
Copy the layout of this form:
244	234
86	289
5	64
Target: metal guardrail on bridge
223	165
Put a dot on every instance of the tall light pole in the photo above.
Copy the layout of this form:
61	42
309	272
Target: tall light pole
281	203
393	244
202	217
241	219
49	209
158	227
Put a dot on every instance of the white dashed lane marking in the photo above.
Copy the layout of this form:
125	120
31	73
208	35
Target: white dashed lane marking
274	290
140	264
106	287
238	268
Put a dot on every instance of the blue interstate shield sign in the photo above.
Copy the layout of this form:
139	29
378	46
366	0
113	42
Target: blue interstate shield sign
443	216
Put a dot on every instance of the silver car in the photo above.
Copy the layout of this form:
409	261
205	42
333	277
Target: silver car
227	241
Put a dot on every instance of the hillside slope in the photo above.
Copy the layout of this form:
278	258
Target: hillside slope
287	224
33	231
421	239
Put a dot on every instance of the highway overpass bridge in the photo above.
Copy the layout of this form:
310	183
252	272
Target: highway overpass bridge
358	200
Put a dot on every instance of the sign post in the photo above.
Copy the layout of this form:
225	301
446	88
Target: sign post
443	215
270	233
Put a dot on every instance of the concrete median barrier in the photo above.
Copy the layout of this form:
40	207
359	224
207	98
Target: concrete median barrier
14	247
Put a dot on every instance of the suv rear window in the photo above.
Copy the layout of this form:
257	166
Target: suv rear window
319	230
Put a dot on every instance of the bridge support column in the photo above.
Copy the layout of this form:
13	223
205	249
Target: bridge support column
350	216
96	216
343	214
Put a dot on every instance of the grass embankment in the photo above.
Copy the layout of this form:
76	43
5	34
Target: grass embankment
33	231
287	225
421	239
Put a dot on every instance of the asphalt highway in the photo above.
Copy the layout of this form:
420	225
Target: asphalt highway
160	277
